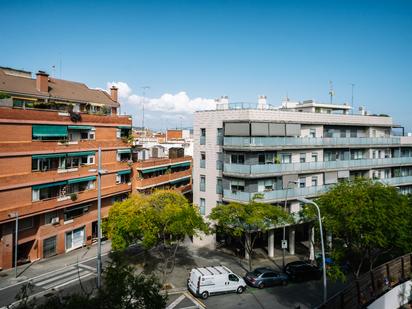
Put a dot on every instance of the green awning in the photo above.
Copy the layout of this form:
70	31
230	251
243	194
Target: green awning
181	164
49	131
82	153
125	172
127	150
81	127
155	169
48	185
47	156
124	128
89	178
179	180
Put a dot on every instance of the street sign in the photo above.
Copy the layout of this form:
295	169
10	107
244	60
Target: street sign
284	244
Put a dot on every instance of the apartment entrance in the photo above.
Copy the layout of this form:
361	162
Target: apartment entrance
75	239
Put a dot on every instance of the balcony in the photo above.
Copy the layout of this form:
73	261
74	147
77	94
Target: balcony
270	169
276	142
162	179
154	162
293	193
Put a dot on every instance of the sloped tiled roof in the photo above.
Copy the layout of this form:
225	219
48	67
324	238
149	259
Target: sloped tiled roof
59	89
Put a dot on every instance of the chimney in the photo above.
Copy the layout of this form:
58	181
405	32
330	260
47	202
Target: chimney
113	93
262	102
42	81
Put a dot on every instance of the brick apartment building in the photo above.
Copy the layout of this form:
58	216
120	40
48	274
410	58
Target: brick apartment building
50	131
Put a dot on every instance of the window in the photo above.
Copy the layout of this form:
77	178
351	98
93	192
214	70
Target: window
353	133
202	206
342	133
219	161
19	103
237	159
261	158
314	181
202	183
202	160
233	277
49	246
374	154
219	140
312	132
266	185
302	182
26	223
219	186
286	158
122	178
302	158
314	157
237	185
49	216
202	136
75	211
269	275
358	154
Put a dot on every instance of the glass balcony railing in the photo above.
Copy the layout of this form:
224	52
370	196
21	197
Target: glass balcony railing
308	141
262	169
293	193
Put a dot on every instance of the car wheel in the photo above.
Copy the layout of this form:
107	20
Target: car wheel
261	285
240	290
285	282
205	294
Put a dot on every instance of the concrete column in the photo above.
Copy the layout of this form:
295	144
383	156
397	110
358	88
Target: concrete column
291	240
311	243
247	240
271	243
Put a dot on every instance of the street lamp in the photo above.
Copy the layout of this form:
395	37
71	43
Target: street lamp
306	201
284	227
16	240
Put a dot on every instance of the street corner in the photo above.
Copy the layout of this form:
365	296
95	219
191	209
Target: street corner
184	300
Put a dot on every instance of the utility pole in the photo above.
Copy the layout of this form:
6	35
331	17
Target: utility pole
99	219
331	91
16	238
353	86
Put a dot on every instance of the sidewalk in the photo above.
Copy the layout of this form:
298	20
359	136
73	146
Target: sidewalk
28	271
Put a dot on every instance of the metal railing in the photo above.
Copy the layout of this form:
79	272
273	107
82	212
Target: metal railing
308	141
261	169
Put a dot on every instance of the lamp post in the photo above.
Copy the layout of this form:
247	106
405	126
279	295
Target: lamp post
284	227
306	201
16	240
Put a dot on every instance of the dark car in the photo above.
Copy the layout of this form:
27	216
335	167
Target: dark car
302	271
263	277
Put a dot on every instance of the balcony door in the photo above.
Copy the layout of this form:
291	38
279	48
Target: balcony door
75	239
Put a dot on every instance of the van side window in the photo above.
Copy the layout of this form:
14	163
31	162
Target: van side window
232	277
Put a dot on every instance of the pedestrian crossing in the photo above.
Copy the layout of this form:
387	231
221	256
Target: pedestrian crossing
64	277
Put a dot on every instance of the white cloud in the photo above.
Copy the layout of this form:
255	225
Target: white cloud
168	110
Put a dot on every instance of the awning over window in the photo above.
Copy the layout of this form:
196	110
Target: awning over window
155	169
128	150
82	153
49	131
49	185
124	128
89	178
48	156
125	172
174	182
81	128
181	164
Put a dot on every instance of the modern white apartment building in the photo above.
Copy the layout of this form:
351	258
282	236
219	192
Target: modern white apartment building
298	150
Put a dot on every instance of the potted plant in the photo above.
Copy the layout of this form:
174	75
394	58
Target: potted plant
73	196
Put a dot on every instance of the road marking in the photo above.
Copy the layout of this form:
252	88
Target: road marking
71	281
93	269
176	302
195	300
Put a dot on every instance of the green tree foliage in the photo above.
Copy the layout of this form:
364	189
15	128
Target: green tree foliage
122	289
161	221
367	221
249	220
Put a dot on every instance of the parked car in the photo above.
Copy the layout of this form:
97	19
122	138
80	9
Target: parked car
264	277
302	271
205	281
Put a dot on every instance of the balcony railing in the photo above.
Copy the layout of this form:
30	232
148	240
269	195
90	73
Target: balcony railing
162	179
293	193
262	169
308	141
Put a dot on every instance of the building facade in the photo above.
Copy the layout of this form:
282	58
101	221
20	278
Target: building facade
243	151
50	131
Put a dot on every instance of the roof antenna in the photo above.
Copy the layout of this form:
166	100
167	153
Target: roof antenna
61	61
143	101
54	71
331	91
353	86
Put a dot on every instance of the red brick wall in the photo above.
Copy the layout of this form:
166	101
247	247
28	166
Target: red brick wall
15	132
15	165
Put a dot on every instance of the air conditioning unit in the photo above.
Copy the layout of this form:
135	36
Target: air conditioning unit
55	220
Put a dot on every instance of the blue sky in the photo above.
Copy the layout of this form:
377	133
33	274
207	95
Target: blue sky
211	48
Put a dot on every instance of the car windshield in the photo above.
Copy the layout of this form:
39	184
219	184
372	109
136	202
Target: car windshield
256	272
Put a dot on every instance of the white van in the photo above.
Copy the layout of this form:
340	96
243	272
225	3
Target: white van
205	281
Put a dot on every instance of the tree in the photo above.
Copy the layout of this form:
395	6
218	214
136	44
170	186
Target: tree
248	219
161	220
367	220
122	289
